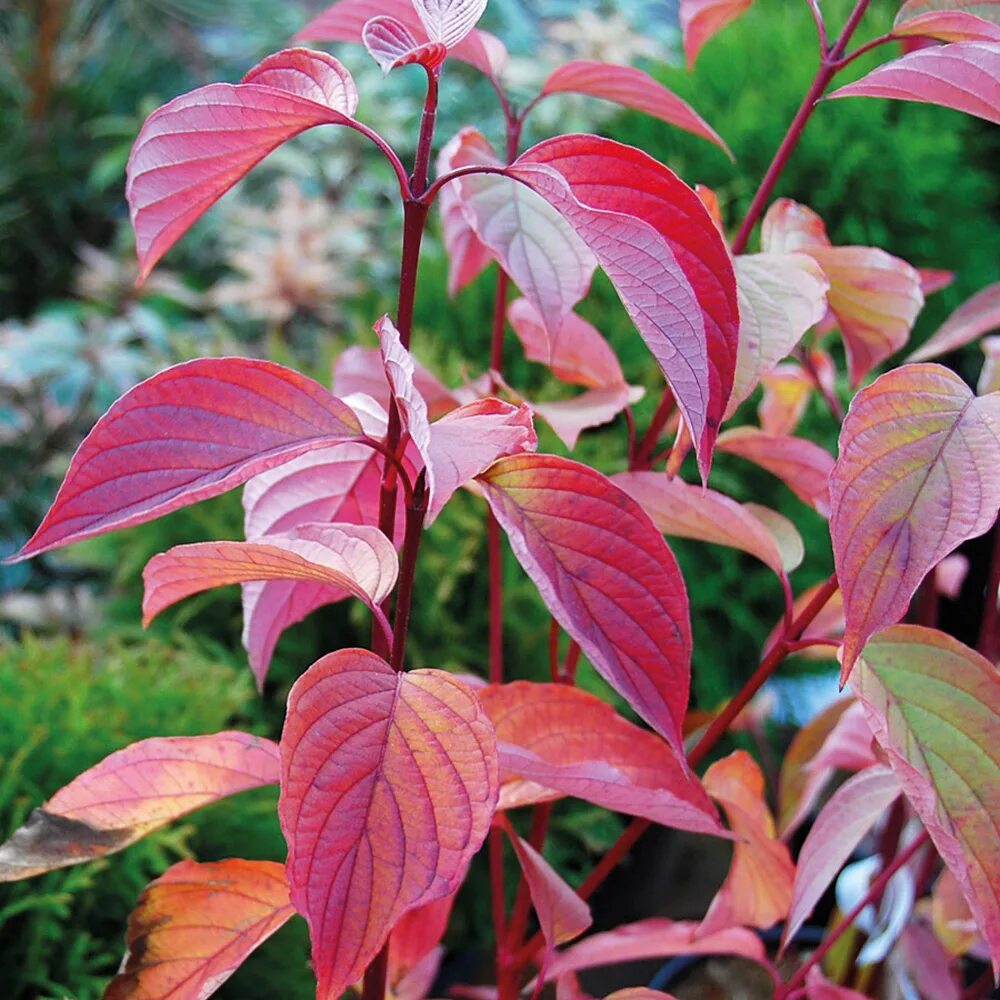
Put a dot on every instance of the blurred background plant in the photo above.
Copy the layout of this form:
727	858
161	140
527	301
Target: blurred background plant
295	265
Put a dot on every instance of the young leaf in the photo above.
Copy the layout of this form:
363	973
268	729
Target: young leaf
449	21
553	740
918	474
189	433
804	467
334	557
656	937
389	782
399	368
758	889
190	152
391	44
949	26
631	88
962	76
662	251
688	511
933	705
605	574
533	243
976	316
562	915
196	924
701	19
781	296
845	819
132	792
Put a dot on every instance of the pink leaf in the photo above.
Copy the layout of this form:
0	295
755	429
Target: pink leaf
191	151
631	88
933	704
851	812
132	792
781	296
417	935
758	889
934	279
534	244
389	782
789	226
688	511
562	915
556	740
976	316
656	937
345	21
787	391
400	373
391	44
804	467
950	574
449	21
962	76
639	993
352	558
918	474
928	962
819	988
196	924
701	19
947	26
189	433
570	417
669	263
606	575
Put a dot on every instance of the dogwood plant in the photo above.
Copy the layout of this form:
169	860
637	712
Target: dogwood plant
392	779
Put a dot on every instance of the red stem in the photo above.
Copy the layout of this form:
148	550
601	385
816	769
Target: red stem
875	891
828	68
415	514
645	447
494	541
497	897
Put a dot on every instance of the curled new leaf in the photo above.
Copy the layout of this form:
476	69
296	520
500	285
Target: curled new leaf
606	575
962	76
918	474
631	88
391	44
132	792
189	433
662	251
191	151
389	782
196	924
554	739
933	705
968	322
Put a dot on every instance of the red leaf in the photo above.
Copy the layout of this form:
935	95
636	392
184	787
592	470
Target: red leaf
701	19
933	705
758	889
391	44
662	251
191	151
606	575
818	988
689	511
132	792
556	740
656	937
562	915
962	76
389	782
345	21
918	474
947	26
189	433
934	279
196	924
976	316
849	814
417	935
804	467
631	88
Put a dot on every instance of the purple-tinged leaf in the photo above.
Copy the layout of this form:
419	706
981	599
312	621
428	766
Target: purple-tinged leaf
391	44
389	783
976	316
701	19
189	433
964	76
190	152
606	575
851	812
132	792
400	373
662	251
555	740
631	88
918	474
